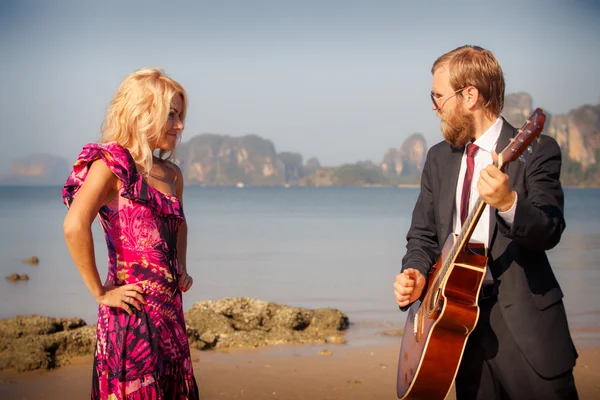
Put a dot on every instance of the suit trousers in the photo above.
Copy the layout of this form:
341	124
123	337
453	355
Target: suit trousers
493	366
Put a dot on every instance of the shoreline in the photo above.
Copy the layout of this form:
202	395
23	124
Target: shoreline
275	372
284	186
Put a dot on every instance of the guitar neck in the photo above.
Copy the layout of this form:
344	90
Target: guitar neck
467	228
463	238
471	222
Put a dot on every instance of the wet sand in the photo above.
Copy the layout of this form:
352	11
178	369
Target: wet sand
280	372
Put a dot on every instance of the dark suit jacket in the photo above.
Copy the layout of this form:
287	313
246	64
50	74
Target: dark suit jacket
529	295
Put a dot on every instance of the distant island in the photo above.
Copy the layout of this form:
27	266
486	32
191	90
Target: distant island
222	160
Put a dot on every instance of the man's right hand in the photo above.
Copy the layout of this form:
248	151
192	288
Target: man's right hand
408	286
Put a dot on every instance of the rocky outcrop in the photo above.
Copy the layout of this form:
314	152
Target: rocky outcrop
293	166
16	277
399	166
210	159
318	177
37	169
312	164
408	160
517	107
246	322
35	342
34	260
577	132
213	159
582	130
359	174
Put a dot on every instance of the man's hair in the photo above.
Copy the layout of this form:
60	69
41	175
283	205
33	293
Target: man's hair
475	66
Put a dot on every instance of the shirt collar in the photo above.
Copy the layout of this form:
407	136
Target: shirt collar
489	139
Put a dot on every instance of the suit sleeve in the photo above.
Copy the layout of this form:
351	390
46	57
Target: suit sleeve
422	246
539	220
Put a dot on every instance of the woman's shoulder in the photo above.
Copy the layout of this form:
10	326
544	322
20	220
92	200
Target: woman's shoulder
111	151
115	157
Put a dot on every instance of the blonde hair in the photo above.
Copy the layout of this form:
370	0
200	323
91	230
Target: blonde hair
138	113
475	66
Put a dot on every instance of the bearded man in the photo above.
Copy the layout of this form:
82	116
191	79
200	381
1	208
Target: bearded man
521	347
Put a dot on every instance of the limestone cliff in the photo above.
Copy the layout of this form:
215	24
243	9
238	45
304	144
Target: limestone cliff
406	161
577	133
37	169
211	159
399	166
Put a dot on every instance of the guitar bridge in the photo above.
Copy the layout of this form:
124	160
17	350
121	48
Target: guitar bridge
418	325
415	322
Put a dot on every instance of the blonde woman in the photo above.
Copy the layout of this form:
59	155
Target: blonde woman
128	181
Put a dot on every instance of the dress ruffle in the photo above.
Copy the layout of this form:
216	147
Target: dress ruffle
134	187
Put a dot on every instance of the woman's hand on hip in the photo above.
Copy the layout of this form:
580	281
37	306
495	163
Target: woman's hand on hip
123	297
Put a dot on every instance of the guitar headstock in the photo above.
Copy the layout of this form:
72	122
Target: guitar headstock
527	134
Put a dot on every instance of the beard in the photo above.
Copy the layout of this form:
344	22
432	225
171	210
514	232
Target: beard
458	128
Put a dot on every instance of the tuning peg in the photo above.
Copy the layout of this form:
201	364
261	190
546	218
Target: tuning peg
522	159
529	149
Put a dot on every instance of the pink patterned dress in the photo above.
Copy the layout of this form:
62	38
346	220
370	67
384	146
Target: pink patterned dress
146	355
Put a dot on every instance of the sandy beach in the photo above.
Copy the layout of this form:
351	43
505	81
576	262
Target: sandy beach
279	372
309	248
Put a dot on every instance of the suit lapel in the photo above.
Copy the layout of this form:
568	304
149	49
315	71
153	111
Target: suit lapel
507	133
449	180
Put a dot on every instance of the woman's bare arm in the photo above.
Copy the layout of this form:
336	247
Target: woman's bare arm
99	187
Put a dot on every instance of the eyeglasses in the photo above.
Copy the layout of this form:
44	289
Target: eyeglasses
435	100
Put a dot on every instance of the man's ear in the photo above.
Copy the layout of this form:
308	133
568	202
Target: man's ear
470	97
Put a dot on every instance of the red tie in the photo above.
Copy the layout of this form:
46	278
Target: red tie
466	189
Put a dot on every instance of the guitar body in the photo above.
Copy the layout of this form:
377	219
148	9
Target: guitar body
432	349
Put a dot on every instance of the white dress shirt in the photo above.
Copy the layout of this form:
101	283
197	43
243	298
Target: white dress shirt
486	143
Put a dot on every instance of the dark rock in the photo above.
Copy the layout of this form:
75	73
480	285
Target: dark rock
13	277
17	277
35	342
35	325
32	260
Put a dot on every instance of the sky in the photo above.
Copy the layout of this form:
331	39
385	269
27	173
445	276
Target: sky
342	81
